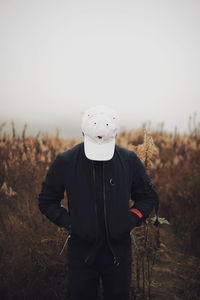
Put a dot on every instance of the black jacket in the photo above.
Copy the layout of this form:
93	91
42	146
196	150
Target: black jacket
124	178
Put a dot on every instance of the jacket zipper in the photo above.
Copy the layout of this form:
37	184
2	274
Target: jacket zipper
95	201
116	262
115	259
95	207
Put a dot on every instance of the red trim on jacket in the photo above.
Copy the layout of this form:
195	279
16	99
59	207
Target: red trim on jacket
137	212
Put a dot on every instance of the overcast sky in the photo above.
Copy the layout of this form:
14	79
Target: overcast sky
60	57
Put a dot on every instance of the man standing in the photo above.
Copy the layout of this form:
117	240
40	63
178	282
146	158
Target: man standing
100	178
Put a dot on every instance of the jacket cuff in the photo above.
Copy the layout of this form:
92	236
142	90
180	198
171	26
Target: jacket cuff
63	220
137	212
135	219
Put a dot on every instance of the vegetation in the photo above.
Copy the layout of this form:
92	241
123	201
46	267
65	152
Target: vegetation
30	265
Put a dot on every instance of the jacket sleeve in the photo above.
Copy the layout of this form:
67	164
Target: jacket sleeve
142	193
52	192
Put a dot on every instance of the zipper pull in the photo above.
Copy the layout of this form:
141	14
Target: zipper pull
86	259
116	262
69	235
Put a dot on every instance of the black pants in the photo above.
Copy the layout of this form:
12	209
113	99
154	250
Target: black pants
84	279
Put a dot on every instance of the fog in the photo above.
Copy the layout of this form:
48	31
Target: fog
60	57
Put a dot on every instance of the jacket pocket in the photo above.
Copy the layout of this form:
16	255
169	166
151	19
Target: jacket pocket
134	220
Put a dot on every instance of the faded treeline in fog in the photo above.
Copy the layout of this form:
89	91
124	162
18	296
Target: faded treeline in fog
31	266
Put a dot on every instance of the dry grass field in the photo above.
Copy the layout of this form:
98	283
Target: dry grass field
30	264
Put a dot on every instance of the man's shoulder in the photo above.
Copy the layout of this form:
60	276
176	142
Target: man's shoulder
129	154
71	152
131	158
